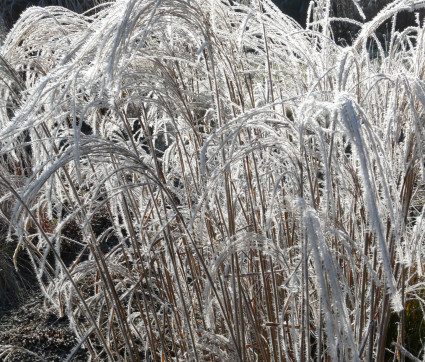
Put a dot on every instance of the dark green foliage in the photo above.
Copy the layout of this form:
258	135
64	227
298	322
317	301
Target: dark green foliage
413	332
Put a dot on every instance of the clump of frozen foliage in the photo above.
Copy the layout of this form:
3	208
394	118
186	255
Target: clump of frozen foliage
260	189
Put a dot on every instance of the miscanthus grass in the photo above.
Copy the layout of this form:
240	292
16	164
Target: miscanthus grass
260	189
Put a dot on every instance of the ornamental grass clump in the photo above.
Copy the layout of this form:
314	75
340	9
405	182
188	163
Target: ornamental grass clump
260	186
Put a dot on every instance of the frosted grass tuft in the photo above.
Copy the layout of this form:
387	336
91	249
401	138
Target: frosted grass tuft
231	186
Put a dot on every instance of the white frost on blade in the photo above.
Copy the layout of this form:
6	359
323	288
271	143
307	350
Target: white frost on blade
352	123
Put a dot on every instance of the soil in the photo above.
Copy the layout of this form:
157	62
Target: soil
29	331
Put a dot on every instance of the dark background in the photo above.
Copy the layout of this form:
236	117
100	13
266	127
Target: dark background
297	9
10	11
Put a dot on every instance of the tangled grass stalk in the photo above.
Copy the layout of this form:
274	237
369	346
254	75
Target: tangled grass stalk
232	186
